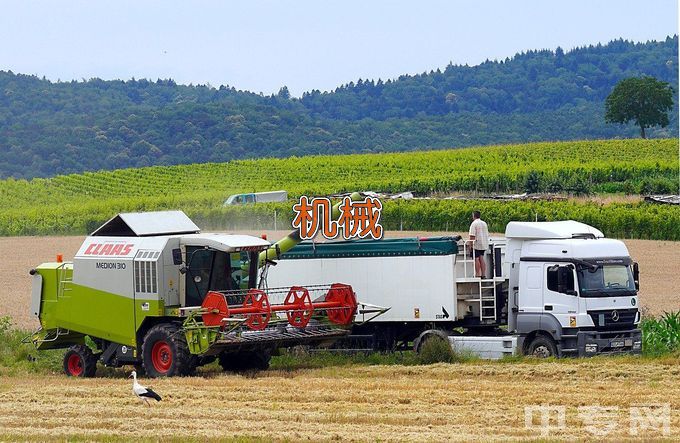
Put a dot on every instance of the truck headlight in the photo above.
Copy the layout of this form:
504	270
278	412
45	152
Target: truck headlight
637	345
591	348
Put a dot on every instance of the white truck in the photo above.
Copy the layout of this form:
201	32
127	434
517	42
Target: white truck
553	289
256	197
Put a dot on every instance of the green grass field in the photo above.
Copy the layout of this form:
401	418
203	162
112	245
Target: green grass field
76	204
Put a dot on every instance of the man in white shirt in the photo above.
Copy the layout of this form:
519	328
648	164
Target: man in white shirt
479	240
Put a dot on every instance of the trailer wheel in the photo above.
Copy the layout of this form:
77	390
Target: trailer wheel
165	352
542	347
243	361
80	361
431	334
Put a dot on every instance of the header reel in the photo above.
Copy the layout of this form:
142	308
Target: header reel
335	304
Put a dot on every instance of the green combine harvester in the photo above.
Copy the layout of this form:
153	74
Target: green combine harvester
150	290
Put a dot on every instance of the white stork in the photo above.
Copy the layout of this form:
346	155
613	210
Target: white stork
142	392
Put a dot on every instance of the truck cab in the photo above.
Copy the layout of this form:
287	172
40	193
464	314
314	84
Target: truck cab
571	291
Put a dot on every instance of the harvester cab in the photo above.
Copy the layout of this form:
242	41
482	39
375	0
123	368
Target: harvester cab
150	289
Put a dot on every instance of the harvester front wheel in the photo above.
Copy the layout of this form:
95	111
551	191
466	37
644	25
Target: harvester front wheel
80	361
165	352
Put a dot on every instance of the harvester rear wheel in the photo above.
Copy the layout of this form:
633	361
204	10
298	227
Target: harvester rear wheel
165	352
80	361
243	361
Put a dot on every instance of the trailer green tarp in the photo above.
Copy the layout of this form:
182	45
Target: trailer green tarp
374	248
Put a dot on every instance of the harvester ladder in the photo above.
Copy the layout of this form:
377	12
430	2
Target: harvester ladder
64	280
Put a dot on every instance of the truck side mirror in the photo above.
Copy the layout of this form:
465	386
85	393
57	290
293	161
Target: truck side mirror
636	275
565	280
177	257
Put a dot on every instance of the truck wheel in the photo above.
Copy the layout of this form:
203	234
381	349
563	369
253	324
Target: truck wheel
243	361
80	361
426	336
165	352
542	347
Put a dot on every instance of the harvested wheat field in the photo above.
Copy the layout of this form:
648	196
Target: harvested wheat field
443	402
659	262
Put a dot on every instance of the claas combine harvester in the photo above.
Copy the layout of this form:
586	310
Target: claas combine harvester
150	290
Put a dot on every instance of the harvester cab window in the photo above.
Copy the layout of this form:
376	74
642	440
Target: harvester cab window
208	270
243	265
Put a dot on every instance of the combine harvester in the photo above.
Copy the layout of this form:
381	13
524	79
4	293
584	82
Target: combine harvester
150	290
554	289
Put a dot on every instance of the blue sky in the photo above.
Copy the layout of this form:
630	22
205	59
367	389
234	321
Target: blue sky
262	45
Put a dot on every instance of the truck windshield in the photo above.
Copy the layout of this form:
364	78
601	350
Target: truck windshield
605	281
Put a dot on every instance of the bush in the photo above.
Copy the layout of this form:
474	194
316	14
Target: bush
5	324
532	183
436	350
17	356
661	335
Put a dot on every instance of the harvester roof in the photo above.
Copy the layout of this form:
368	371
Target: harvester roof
225	242
146	224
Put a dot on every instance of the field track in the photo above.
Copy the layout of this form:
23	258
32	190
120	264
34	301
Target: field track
659	261
460	402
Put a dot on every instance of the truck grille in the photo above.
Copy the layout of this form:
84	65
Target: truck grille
614	318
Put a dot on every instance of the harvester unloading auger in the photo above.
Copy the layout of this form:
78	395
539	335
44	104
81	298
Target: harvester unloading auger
149	290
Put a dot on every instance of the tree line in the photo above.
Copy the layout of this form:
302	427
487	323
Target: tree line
50	128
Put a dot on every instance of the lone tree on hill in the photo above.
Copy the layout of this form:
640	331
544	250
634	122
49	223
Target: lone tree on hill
645	100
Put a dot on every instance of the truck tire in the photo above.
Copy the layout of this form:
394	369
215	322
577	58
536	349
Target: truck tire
542	347
243	361
431	334
80	361
165	352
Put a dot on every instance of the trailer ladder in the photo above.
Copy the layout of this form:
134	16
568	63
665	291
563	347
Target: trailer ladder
487	300
474	289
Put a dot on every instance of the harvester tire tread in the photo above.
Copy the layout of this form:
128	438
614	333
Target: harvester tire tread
80	361
182	361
